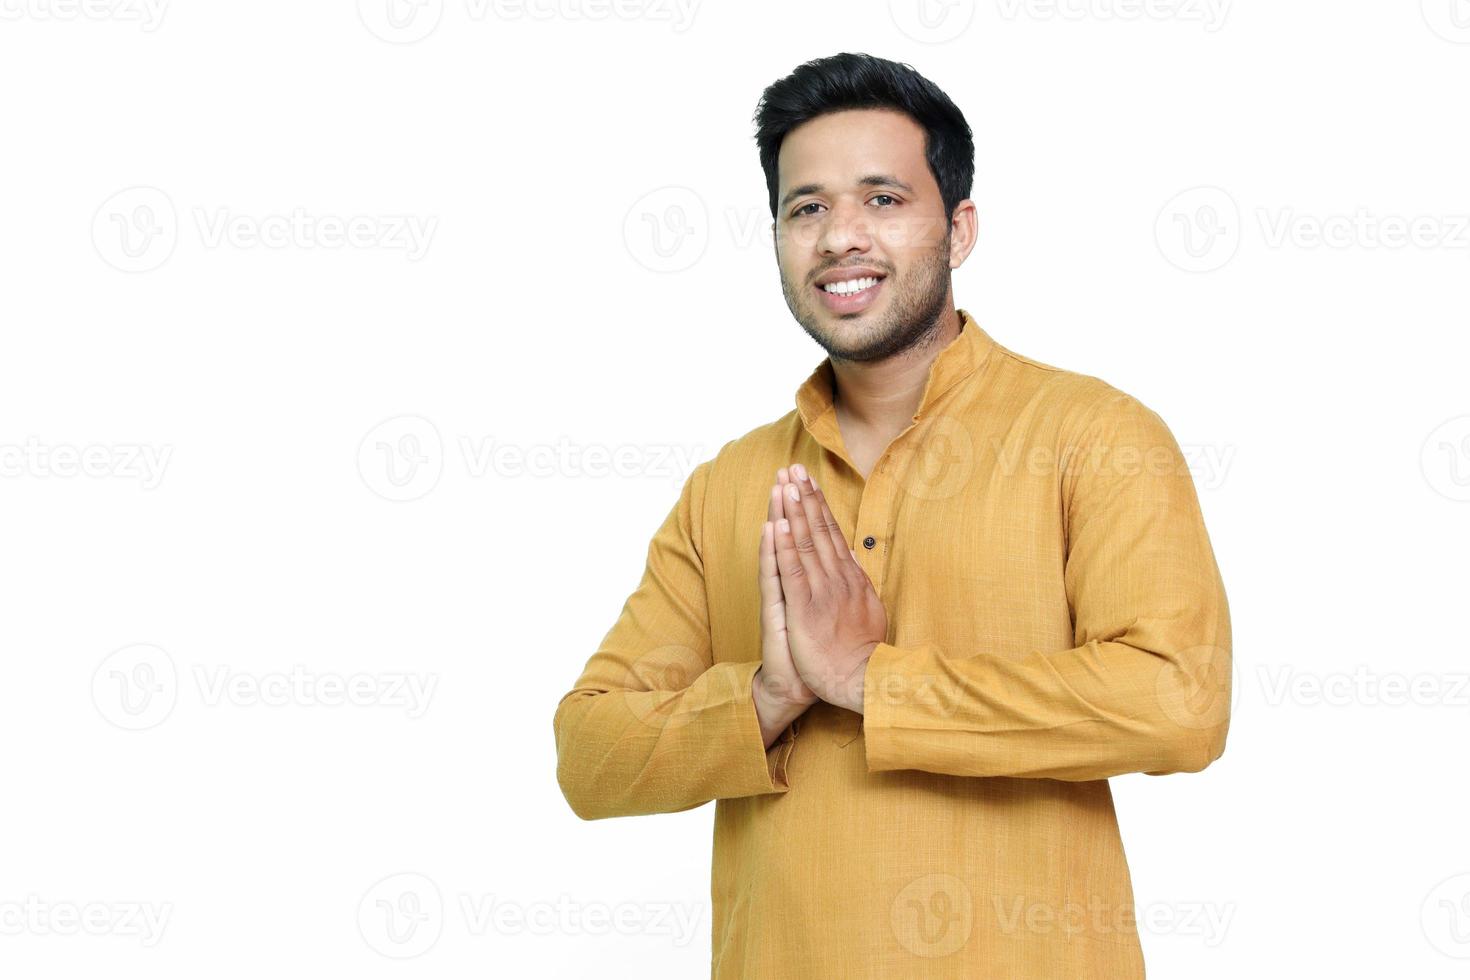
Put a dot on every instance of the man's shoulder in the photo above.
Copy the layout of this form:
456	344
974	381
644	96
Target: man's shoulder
1071	397
768	445
1072	400
759	447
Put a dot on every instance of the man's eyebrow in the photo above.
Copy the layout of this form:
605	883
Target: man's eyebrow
871	180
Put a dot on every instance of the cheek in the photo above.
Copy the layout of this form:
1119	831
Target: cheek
794	277
911	234
800	236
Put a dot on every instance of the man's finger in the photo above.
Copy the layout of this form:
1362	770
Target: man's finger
770	574
829	520
773	603
811	510
808	549
796	582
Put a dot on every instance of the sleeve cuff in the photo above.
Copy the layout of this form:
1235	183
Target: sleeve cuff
887	687
762	769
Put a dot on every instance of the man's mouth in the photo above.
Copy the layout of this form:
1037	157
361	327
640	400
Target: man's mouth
850	295
847	287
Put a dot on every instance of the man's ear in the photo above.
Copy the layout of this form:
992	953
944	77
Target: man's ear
964	232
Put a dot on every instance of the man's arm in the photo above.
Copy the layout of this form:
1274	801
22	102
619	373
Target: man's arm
653	725
1147	686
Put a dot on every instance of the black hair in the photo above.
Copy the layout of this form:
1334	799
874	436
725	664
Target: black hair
862	81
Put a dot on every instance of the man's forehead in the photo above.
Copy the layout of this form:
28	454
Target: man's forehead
853	148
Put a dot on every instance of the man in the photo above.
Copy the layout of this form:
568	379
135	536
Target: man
905	633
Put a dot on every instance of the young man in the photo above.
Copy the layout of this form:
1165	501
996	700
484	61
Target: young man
905	633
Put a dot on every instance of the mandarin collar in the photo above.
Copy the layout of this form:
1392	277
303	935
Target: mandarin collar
960	359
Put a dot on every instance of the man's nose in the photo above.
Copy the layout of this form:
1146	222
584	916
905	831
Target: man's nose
846	226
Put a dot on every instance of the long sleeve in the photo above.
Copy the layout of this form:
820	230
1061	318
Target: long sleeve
653	725
1145	688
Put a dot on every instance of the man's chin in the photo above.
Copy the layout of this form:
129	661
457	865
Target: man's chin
850	341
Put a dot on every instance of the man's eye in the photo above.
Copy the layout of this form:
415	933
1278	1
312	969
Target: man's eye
802	211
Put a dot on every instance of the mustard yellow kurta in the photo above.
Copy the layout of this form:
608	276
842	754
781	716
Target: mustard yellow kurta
1056	617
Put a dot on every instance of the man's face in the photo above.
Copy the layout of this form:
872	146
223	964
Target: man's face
857	201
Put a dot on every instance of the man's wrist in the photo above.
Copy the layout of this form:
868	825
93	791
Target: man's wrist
849	694
780	692
773	711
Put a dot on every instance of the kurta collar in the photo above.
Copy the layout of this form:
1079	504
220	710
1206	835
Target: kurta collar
961	358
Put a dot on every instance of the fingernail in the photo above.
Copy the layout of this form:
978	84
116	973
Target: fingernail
792	493
814	483
799	470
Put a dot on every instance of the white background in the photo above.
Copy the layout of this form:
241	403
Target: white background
241	464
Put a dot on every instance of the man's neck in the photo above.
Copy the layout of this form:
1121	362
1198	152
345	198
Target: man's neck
881	397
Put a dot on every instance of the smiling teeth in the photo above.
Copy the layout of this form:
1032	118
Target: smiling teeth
850	286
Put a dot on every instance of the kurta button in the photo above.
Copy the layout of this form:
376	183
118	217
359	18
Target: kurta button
869	541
